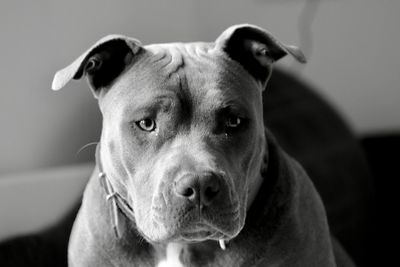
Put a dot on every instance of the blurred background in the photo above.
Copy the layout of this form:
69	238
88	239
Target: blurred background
353	63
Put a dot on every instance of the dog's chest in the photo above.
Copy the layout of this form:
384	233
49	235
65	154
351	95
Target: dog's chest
172	258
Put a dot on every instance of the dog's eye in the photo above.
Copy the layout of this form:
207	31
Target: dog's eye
147	125
233	122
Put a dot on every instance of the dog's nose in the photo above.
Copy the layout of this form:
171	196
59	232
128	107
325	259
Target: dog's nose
200	189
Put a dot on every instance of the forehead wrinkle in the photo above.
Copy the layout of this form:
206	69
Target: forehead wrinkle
166	58
173	56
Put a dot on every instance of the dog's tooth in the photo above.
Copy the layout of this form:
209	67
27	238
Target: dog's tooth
222	244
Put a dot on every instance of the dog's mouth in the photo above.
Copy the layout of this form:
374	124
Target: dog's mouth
193	228
200	233
197	234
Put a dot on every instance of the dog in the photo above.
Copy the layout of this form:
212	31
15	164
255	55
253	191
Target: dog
186	173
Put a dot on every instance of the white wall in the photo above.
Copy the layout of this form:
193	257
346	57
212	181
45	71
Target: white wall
354	61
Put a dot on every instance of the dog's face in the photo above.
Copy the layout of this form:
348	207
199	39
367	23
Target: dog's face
185	133
183	127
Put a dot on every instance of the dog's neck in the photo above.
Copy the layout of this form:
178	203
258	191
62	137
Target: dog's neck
173	254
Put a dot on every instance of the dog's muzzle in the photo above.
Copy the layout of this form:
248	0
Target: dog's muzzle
194	207
197	206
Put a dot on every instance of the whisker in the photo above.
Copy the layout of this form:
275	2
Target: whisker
84	147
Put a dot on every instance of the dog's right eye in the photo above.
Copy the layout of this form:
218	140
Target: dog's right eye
233	122
147	124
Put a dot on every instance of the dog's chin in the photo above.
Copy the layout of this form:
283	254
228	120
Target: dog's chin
201	235
190	237
192	234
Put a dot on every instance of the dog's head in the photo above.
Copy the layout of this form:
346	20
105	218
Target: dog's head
183	127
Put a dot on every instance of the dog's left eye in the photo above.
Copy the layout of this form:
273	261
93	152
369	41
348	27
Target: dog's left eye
233	122
147	125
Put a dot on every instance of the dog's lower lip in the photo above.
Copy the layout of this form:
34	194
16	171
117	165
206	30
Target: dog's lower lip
196	236
196	233
202	236
197	230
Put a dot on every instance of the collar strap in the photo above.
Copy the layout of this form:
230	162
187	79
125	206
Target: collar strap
118	204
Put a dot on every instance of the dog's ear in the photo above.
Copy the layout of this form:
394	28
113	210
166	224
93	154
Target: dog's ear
101	63
255	49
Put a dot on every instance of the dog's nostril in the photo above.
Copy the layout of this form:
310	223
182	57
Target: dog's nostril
187	187
187	192
211	190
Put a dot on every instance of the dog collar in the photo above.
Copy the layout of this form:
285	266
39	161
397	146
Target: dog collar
118	204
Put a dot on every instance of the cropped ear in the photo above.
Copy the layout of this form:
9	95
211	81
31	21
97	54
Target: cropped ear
255	49
101	63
